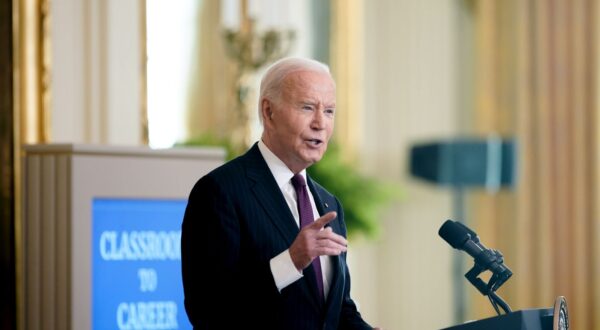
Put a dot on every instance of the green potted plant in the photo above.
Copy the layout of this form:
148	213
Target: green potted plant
363	197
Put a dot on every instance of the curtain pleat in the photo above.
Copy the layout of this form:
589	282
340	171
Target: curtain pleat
347	56
536	81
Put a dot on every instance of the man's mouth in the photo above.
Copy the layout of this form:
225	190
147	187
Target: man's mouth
315	142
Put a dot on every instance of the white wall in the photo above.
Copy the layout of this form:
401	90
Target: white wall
403	281
96	78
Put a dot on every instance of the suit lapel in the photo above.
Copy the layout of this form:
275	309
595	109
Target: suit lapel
269	196
324	207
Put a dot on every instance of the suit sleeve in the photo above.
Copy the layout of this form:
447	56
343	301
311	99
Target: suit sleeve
210	251
350	317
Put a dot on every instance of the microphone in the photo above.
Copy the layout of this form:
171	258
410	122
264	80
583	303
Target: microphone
473	234
463	238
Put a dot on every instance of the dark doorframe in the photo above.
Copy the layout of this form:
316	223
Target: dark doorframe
7	182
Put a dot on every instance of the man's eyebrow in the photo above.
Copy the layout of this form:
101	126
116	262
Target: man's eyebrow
307	102
313	102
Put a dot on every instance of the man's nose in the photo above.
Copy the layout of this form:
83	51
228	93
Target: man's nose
318	120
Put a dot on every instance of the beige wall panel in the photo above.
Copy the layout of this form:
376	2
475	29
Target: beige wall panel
411	95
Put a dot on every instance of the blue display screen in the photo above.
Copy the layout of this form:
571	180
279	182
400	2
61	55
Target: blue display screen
136	268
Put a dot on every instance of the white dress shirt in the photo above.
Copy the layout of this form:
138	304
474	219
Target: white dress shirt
282	267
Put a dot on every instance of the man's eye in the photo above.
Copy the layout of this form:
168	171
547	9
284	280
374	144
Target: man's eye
330	112
307	107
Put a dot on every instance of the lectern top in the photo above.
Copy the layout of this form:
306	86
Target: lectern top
139	151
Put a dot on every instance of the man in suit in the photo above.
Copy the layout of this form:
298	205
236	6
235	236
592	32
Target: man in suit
252	256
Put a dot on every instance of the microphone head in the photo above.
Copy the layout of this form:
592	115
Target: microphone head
454	234
473	234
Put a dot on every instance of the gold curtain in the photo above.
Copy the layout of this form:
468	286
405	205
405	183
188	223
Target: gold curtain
346	58
211	99
536	80
32	67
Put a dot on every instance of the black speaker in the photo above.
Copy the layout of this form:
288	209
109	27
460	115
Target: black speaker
465	162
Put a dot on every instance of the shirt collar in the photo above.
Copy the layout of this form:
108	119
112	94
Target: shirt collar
280	171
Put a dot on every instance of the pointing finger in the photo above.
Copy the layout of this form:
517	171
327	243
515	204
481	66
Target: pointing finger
322	221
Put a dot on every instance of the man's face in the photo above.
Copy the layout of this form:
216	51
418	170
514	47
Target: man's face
299	123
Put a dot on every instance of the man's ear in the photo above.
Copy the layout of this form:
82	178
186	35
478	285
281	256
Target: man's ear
266	110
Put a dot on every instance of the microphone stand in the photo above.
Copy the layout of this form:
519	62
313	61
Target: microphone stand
488	289
495	299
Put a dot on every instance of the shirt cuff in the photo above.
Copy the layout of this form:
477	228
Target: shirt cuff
283	270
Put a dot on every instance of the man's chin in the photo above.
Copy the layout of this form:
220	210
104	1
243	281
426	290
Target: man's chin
312	156
314	159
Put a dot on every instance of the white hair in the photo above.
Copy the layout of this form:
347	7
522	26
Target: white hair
270	84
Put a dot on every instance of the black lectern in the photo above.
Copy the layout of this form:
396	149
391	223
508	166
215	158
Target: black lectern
533	319
528	319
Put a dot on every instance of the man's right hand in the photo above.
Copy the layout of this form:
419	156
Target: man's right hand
314	240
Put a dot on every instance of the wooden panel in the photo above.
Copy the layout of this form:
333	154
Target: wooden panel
63	233
48	243
31	241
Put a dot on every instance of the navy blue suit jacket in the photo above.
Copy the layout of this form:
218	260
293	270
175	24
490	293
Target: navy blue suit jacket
236	220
